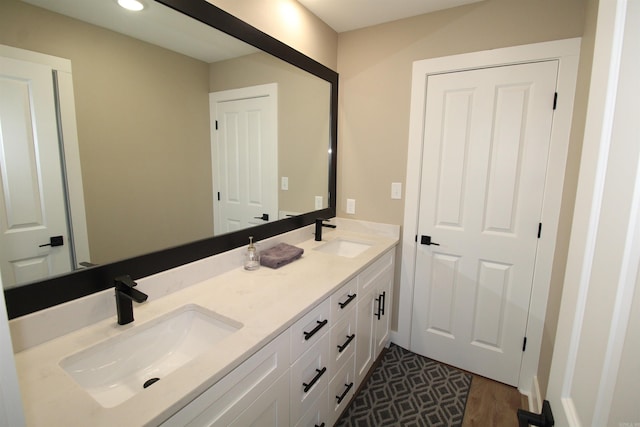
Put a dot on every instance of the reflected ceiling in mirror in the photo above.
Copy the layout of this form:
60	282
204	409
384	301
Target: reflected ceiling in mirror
144	121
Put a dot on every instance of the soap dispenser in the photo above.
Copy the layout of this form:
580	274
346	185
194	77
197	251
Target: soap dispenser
252	260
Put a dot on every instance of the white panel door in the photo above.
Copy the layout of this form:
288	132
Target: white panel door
486	142
245	151
32	201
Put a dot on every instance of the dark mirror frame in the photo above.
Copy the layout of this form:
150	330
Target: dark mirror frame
36	296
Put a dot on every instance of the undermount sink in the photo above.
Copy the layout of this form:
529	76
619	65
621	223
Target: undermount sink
117	369
344	247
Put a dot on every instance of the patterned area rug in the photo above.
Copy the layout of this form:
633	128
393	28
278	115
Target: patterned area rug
407	389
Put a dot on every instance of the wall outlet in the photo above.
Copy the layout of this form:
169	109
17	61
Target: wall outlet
319	202
284	183
351	206
396	190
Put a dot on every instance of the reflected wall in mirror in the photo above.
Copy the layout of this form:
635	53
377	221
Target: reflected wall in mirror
145	129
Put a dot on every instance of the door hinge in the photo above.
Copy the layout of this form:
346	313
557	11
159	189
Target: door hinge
218	196
416	239
524	344
555	100
539	229
217	122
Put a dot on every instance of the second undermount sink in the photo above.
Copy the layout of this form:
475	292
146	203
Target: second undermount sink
117	369
344	247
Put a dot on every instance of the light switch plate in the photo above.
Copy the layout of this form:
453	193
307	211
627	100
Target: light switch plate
319	202
284	183
396	190
351	206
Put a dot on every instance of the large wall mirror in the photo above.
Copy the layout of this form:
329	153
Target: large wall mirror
158	100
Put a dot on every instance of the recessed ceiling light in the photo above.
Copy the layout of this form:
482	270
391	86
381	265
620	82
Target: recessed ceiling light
134	5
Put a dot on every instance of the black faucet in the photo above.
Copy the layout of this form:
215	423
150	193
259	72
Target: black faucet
320	222
124	295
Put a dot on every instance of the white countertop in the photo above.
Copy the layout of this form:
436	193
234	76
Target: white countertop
265	301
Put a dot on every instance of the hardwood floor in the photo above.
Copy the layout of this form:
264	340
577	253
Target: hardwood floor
491	403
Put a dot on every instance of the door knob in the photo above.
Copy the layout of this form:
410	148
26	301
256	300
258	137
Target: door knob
54	241
426	240
264	217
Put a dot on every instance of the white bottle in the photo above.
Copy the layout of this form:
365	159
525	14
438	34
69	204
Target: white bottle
252	261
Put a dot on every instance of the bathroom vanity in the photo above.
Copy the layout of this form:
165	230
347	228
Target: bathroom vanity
286	347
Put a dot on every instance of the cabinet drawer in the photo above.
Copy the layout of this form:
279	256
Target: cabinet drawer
229	397
368	277
309	377
343	341
343	300
270	409
341	390
308	330
318	414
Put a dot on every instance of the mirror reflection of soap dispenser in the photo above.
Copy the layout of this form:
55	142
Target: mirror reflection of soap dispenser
252	260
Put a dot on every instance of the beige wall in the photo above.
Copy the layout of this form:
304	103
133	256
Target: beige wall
122	137
303	123
289	22
375	85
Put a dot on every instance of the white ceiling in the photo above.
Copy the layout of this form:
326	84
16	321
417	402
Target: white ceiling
156	24
160	25
346	15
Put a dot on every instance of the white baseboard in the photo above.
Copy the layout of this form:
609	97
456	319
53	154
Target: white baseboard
534	397
395	338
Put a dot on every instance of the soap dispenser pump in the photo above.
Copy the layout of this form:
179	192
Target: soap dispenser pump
252	261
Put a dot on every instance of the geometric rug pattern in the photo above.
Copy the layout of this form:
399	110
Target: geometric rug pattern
407	389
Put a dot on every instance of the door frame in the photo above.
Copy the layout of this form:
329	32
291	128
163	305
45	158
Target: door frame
567	53
69	144
269	90
596	315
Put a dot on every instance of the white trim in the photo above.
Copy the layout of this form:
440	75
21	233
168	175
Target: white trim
535	397
73	168
567	53
593	165
60	64
70	143
623	130
11	410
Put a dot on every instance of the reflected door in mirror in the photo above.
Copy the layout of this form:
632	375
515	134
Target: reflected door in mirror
245	152
32	203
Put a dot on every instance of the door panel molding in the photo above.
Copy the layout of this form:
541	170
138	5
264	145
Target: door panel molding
252	181
70	144
567	53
